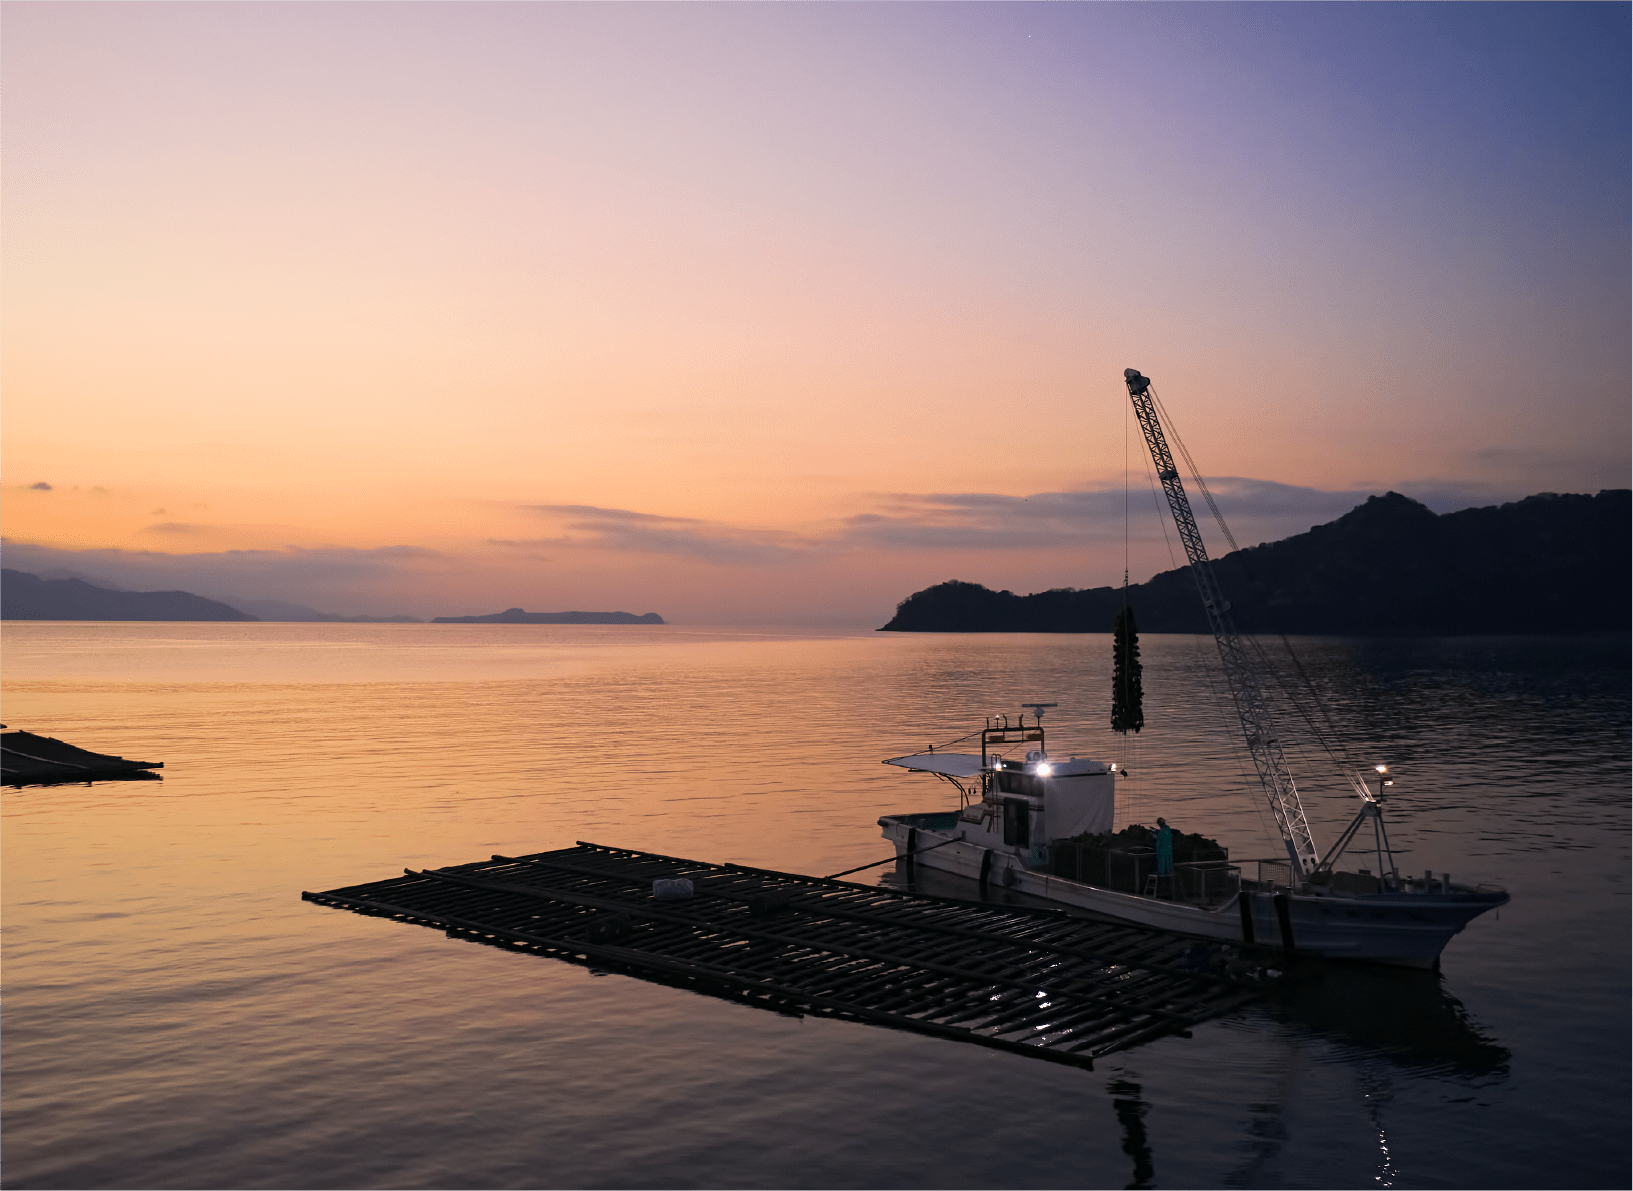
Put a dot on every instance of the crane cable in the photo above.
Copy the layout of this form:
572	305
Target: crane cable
1190	465
1345	764
1232	730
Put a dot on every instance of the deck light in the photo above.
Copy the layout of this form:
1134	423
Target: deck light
1045	769
1383	779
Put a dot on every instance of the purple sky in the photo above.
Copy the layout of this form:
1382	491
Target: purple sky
761	312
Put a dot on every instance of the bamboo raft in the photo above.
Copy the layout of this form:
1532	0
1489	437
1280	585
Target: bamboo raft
1036	982
30	760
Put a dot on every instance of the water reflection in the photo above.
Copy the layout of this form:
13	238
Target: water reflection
1131	1110
1404	1015
309	756
1399	1014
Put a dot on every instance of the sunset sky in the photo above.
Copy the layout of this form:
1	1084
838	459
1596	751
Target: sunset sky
781	312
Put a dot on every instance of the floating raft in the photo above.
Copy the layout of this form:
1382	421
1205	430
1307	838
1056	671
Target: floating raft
1036	982
30	760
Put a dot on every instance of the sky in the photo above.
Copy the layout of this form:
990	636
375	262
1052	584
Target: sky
777	313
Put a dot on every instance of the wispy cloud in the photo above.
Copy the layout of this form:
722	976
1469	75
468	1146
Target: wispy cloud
595	513
901	542
958	521
1257	510
678	537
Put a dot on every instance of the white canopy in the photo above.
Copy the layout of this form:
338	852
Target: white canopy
950	764
969	765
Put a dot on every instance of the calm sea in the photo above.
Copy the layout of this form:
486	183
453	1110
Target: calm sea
176	1016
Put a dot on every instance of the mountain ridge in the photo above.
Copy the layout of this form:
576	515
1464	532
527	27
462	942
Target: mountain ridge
26	596
1549	563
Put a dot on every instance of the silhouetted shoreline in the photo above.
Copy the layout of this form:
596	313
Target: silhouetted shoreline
1389	567
517	616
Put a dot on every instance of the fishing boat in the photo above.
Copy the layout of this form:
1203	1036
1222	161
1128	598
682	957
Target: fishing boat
1041	825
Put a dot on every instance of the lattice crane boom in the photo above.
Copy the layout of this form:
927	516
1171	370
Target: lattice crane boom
1241	671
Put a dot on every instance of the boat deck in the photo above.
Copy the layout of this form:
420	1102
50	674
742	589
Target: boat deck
1034	982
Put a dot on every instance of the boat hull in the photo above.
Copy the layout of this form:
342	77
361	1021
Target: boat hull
1401	928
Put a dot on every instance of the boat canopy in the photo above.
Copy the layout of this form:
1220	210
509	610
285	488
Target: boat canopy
969	764
947	764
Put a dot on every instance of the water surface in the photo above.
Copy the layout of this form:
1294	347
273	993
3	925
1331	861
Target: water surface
176	1017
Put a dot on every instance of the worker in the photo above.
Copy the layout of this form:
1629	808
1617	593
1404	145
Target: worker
1165	848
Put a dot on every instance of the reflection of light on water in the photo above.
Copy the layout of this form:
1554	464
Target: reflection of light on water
1387	1173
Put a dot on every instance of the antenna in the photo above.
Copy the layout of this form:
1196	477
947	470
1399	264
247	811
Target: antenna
1037	709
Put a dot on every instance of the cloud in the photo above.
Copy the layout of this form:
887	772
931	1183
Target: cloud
1260	510
1046	538
176	527
592	512
983	521
42	486
678	537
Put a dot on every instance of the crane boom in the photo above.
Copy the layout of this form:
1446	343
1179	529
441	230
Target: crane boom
1241	672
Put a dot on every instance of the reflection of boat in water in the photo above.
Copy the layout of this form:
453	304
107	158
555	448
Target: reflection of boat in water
1405	1016
1398	1013
1041	825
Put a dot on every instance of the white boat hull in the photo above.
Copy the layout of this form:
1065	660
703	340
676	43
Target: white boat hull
1409	929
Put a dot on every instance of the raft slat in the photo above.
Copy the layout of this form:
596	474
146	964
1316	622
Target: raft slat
951	969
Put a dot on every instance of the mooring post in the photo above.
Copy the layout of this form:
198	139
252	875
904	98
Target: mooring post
1284	918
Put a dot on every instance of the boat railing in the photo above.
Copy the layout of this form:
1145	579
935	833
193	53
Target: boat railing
1208	882
1276	873
1134	870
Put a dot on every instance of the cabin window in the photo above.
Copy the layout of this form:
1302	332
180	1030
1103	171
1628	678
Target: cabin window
1018	822
1012	781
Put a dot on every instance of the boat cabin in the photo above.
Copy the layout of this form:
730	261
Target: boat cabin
1021	804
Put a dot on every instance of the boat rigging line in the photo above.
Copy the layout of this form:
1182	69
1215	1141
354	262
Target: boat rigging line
1258	725
1298	703
1271	833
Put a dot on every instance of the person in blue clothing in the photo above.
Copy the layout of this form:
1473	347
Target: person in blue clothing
1165	848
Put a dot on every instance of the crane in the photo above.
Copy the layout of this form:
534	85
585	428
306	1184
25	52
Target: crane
1241	672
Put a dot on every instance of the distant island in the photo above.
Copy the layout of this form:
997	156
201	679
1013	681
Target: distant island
517	616
1389	567
25	596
